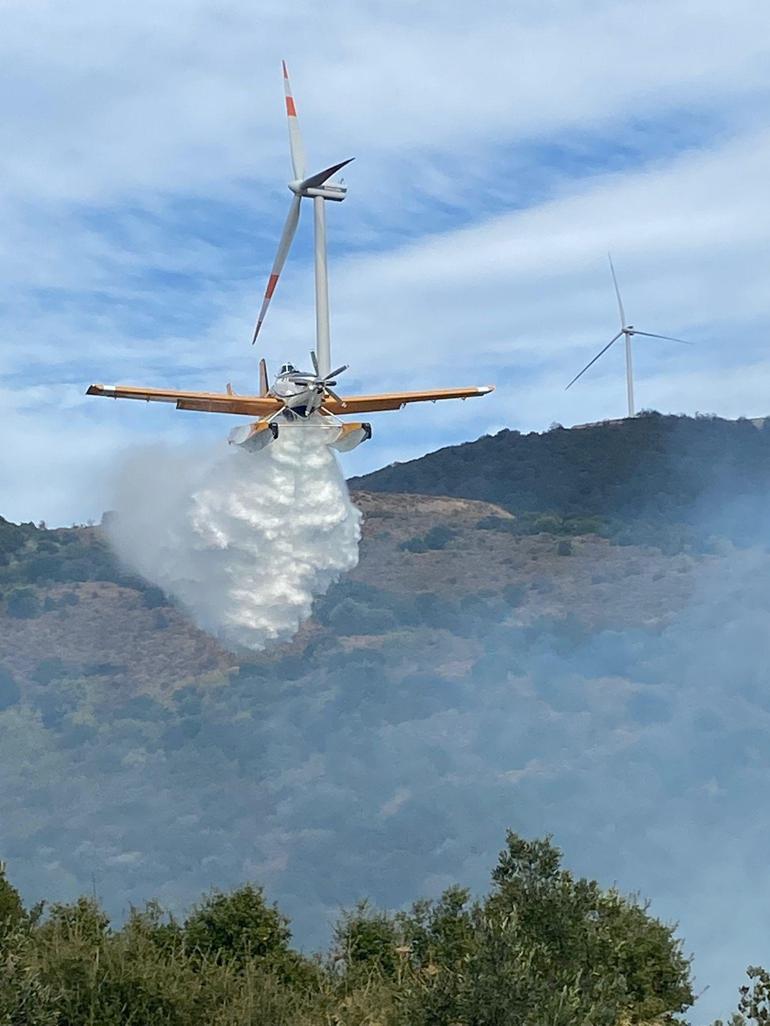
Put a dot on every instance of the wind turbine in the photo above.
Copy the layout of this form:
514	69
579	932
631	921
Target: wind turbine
296	397
319	188
627	331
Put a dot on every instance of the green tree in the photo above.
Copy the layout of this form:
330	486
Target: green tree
603	952
12	914
238	926
366	940
754	1003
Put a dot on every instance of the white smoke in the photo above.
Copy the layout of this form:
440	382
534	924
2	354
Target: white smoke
243	541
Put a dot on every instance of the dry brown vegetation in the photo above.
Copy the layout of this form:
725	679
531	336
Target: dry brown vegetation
154	650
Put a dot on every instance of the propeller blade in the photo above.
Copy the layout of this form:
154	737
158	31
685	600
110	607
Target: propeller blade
668	338
314	358
289	229
335	373
318	179
264	384
600	353
334	395
617	293
295	139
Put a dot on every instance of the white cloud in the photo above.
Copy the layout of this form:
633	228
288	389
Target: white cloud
102	100
114	121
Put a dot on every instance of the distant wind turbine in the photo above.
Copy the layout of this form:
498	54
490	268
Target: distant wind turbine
627	330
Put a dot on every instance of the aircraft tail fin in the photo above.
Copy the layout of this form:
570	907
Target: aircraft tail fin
263	382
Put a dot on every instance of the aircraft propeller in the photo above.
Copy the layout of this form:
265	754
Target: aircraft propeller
321	382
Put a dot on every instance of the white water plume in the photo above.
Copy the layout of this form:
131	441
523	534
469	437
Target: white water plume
244	541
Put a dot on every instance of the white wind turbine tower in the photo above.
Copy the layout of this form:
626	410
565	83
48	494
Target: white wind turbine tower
318	188
627	331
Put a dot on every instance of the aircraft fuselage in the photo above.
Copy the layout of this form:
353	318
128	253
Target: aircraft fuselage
297	395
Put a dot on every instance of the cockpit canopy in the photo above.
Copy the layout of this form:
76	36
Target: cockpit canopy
288	368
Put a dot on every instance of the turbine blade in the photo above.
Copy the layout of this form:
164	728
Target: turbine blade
617	293
668	338
600	353
264	384
314	181
289	229
314	358
295	138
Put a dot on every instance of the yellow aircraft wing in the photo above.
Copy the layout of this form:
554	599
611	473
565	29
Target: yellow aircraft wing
395	400
263	406
203	402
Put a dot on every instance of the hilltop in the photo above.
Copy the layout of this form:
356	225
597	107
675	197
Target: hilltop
644	478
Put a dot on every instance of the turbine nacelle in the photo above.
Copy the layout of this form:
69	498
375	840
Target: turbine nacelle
319	184
334	191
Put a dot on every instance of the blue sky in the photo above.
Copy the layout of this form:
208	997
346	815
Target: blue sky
144	159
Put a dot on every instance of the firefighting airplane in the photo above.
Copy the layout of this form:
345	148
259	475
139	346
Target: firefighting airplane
296	397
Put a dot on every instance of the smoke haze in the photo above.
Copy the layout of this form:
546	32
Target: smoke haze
243	541
389	757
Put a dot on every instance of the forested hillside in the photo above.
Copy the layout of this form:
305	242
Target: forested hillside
480	669
643	478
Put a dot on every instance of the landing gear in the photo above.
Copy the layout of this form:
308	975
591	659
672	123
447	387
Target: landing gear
253	437
350	436
342	437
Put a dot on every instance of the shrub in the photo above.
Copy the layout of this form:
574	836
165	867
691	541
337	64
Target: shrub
413	545
48	670
9	689
153	597
514	594
352	617
439	536
23	604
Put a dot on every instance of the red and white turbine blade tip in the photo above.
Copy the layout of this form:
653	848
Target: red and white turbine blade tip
284	245
295	139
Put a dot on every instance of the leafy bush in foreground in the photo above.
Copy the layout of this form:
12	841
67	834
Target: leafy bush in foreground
542	947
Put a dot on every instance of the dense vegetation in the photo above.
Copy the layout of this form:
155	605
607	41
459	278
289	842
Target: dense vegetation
645	479
452	685
32	555
542	947
387	753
